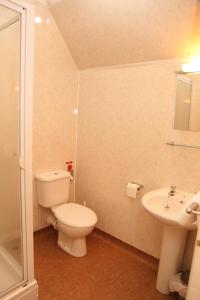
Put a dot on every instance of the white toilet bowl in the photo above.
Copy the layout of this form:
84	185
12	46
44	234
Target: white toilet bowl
74	223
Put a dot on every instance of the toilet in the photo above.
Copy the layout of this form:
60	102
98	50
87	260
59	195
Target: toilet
73	221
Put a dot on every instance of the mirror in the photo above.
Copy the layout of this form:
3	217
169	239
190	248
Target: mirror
187	107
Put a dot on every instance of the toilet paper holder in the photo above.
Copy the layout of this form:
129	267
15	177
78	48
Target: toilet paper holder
140	186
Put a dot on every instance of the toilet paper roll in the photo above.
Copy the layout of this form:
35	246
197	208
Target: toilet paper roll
132	189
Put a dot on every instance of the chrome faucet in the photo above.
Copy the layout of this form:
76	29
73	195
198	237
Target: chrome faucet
172	191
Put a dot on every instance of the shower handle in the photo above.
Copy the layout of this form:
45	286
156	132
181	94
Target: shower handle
21	162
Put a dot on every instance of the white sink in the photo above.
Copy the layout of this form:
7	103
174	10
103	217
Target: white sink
171	211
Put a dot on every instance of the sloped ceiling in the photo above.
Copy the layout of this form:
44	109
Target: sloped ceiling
113	32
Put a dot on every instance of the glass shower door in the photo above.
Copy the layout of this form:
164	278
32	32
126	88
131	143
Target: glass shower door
11	249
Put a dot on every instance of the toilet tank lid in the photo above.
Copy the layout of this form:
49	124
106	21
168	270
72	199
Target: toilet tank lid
52	175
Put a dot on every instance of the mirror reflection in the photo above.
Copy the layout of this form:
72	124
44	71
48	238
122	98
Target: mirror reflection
187	107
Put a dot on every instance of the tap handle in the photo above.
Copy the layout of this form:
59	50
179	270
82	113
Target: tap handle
172	188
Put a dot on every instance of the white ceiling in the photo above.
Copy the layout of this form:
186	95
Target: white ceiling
111	32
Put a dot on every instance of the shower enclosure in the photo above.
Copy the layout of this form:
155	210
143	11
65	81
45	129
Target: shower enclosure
16	254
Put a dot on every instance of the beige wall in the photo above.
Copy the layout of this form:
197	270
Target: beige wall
55	96
10	203
125	120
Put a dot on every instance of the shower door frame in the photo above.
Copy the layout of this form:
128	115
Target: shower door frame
21	290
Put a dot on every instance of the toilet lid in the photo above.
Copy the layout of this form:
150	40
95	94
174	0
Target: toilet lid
75	215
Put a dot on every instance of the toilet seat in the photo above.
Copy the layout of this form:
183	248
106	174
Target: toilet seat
75	215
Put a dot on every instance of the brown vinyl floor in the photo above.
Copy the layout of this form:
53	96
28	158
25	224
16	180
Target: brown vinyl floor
111	270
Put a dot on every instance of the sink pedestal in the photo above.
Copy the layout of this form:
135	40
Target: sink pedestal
172	250
193	292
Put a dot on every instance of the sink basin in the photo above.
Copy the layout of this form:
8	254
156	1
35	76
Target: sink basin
170	210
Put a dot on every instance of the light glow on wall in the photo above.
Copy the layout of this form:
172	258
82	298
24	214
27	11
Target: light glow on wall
193	66
38	20
75	111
